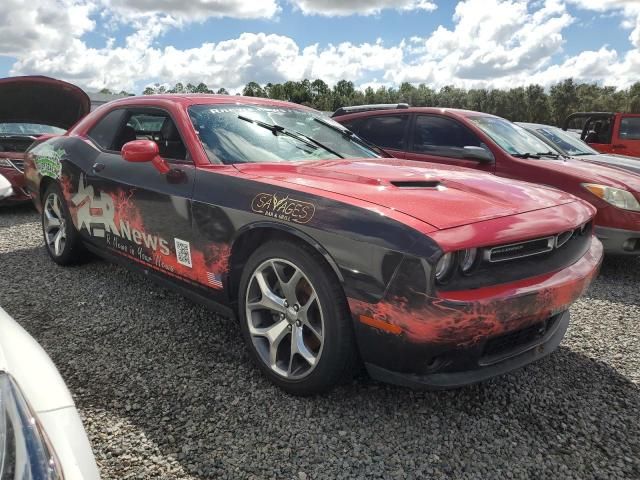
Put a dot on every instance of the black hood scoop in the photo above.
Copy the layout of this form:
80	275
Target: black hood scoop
416	183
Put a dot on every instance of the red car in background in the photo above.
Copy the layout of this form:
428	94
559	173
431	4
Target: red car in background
607	132
492	144
30	107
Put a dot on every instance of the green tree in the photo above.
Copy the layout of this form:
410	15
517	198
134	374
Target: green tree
563	98
253	89
202	88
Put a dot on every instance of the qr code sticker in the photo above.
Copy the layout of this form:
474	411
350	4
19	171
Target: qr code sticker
183	252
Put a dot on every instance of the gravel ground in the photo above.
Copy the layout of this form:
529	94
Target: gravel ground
166	389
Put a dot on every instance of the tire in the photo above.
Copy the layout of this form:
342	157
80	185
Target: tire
61	238
290	318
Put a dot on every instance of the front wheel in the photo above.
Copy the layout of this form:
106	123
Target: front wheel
60	236
295	319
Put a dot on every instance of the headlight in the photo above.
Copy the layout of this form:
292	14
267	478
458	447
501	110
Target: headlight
24	452
468	259
444	267
4	162
615	196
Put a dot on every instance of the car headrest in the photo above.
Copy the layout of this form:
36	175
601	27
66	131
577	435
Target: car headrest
128	135
169	131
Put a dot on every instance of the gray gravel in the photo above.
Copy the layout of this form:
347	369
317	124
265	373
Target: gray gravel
166	389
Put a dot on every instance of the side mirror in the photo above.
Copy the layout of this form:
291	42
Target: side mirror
482	155
141	151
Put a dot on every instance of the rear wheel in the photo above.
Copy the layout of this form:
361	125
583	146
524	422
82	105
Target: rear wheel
295	319
60	236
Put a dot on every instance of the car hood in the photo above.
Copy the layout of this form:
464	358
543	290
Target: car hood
42	100
590	172
439	195
619	161
32	369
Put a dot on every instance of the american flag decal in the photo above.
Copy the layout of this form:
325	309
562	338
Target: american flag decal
214	280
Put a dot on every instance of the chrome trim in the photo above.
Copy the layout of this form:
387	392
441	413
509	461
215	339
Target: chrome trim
12	162
568	233
551	241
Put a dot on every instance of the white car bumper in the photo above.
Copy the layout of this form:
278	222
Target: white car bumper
5	188
67	436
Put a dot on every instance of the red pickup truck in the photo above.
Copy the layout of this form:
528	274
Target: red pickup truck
607	132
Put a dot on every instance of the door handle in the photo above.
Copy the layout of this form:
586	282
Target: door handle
98	167
619	145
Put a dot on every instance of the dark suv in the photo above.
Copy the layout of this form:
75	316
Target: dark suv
492	144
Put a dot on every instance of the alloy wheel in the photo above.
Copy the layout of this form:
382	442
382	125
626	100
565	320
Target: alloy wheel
55	230
285	319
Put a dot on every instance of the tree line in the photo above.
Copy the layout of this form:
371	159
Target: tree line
532	103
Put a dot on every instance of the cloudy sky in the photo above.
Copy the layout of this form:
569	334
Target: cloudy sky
129	44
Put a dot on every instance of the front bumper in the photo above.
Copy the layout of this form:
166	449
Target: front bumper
618	241
488	367
468	336
68	439
6	189
16	180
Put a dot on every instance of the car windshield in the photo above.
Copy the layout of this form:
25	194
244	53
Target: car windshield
28	129
510	137
566	142
255	133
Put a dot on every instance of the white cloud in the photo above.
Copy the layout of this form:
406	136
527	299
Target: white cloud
359	7
49	23
231	63
629	9
492	43
195	9
492	39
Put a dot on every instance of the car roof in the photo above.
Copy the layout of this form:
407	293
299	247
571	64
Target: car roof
395	111
534	125
204	99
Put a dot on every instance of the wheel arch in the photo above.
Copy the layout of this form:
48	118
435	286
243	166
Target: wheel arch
42	188
248	238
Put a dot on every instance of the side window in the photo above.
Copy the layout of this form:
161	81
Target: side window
630	128
157	126
104	132
598	130
385	130
442	136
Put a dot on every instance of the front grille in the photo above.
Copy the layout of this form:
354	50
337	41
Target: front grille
513	340
18	164
520	250
529	248
507	263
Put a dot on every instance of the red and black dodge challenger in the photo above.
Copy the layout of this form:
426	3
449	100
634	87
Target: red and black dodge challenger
328	253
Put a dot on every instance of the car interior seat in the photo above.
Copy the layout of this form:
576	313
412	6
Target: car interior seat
170	144
594	135
128	135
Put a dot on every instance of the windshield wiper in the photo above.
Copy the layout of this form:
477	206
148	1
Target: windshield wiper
351	136
548	154
301	137
525	155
